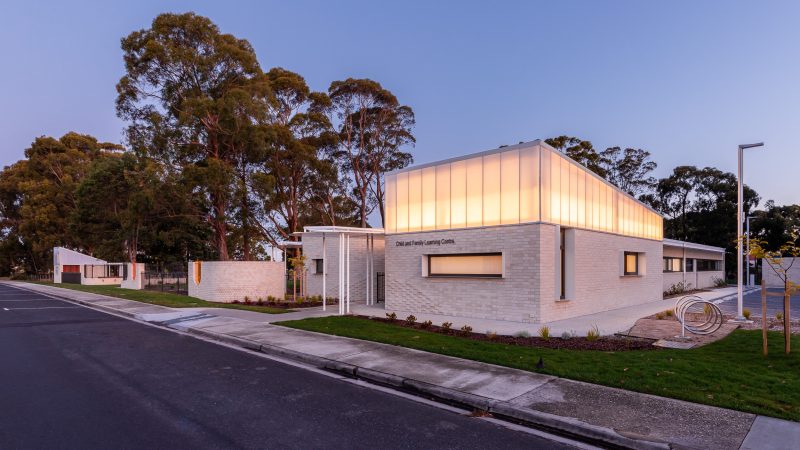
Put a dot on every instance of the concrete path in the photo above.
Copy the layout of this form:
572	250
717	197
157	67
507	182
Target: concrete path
602	414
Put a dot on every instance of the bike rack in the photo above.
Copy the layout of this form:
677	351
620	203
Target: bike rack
712	317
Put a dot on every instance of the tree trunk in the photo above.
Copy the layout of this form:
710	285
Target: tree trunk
220	227
379	197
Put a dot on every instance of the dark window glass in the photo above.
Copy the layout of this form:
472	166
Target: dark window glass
690	265
318	266
709	265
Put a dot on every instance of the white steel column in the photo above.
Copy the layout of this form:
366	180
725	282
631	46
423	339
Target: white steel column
324	273
348	274
341	274
366	265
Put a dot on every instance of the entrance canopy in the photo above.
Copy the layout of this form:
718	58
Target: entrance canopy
344	234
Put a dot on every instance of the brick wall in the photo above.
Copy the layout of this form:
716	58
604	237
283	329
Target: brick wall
510	298
595	261
134	281
530	290
226	281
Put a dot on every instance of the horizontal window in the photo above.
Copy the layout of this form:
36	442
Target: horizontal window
466	265
709	265
672	265
690	265
631	263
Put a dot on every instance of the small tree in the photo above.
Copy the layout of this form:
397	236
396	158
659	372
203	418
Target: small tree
298	269
780	261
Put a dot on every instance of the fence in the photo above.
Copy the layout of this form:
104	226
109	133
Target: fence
174	282
380	287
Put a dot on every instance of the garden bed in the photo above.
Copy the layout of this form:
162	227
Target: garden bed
604	343
286	304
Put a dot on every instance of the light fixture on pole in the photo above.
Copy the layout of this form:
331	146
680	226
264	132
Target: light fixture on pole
739	214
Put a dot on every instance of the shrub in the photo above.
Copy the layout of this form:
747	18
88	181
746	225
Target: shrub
391	316
247	300
427	324
746	313
593	334
271	299
544	332
19	277
287	297
669	313
236	302
660	316
466	330
260	301
410	320
565	335
446	326
522	334
300	300
719	282
491	335
678	288
779	316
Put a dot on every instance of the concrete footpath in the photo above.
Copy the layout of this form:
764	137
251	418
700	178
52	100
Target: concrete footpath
606	416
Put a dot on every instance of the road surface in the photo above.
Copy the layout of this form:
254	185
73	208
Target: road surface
752	301
73	377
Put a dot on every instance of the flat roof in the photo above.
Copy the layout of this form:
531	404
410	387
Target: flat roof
692	245
343	230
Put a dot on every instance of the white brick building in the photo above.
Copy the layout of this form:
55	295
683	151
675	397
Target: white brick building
520	233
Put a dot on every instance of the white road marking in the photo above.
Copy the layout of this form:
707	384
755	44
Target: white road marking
34	300
45	307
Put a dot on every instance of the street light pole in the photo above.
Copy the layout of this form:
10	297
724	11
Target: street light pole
739	214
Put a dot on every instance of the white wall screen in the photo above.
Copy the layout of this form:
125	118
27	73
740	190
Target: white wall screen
519	185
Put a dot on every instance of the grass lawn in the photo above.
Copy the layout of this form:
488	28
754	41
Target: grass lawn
730	373
161	298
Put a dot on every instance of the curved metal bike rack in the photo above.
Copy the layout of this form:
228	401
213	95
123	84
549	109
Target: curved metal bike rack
711	317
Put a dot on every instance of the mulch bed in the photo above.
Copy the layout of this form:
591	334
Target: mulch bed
605	343
285	305
685	293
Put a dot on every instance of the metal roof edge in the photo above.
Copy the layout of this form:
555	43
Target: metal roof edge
693	245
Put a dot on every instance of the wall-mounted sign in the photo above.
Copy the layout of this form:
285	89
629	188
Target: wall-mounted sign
425	243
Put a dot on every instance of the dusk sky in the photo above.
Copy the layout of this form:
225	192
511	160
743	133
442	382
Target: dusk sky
686	80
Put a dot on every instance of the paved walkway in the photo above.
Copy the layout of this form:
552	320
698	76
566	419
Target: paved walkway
607	415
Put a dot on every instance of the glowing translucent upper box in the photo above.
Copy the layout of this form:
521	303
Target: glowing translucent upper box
525	183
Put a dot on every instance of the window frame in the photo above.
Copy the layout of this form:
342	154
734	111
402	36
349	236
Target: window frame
716	263
319	266
667	267
625	271
460	275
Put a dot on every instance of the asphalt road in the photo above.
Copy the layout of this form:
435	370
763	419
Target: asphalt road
752	301
73	377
